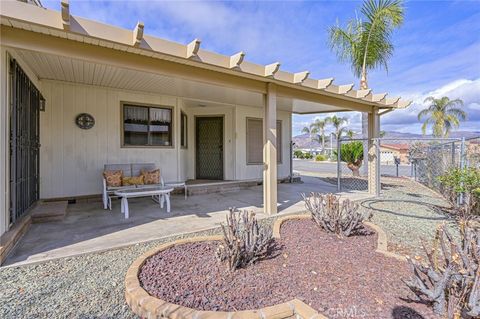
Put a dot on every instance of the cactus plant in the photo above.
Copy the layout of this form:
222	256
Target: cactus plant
244	240
450	282
343	219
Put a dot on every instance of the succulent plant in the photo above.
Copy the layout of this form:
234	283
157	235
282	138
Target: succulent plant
450	281
343	219
244	240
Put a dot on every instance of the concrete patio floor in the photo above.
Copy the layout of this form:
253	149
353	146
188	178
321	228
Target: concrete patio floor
88	228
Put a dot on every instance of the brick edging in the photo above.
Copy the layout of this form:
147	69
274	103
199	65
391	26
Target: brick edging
147	306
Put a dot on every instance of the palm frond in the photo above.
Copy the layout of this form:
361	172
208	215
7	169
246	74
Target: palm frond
423	113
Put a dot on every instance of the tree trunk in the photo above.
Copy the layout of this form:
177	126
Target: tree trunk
323	143
363	79
364	86
354	168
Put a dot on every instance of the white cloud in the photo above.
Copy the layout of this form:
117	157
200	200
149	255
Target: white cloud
466	90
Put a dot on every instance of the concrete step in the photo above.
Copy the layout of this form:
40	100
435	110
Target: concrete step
49	212
228	186
221	187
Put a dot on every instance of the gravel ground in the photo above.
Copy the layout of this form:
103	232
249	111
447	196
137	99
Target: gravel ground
88	286
91	286
334	276
409	213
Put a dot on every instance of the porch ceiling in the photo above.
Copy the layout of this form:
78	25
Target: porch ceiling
55	67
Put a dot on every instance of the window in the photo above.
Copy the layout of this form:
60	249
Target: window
255	141
147	125
183	128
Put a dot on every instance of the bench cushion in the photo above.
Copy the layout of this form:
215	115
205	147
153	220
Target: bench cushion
125	168
151	177
138	168
113	178
132	180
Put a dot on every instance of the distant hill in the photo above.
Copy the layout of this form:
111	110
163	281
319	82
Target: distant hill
304	140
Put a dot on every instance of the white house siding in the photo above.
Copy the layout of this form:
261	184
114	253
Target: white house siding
72	159
5	56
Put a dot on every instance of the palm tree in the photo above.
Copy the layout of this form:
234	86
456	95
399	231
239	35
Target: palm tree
443	114
317	131
367	44
352	154
350	133
337	123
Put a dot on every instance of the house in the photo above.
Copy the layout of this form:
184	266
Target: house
77	93
388	153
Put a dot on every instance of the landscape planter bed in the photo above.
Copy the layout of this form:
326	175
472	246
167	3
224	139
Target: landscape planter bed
309	271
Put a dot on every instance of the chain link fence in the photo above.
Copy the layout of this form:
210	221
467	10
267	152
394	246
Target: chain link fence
472	152
419	159
423	160
352	169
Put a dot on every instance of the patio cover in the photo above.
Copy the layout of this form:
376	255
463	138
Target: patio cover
35	30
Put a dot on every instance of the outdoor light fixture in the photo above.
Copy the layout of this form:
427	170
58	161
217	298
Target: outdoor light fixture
41	106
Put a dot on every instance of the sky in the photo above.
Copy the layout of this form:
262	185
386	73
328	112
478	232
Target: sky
437	50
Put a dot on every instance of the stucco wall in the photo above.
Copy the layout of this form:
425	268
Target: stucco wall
72	159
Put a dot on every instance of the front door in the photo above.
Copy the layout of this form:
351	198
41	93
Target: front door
209	148
24	142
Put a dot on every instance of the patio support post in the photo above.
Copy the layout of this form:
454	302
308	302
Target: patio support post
373	160
270	151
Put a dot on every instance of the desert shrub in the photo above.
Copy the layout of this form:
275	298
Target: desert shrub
343	219
464	181
244	240
308	156
352	154
450	281
298	154
320	158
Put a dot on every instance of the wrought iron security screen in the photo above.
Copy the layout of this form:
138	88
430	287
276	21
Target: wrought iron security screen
209	148
24	142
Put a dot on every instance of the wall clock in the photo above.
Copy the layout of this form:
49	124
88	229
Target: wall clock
85	121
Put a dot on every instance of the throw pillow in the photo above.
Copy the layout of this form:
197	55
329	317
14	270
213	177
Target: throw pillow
134	180
113	178
152	177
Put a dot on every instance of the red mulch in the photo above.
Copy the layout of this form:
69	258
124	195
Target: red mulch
340	278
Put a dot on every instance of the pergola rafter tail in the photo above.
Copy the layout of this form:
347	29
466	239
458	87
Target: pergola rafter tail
62	24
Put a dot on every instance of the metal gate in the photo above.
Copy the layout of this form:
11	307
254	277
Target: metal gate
24	142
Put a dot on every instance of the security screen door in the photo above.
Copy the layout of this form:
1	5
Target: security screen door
24	142
209	148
